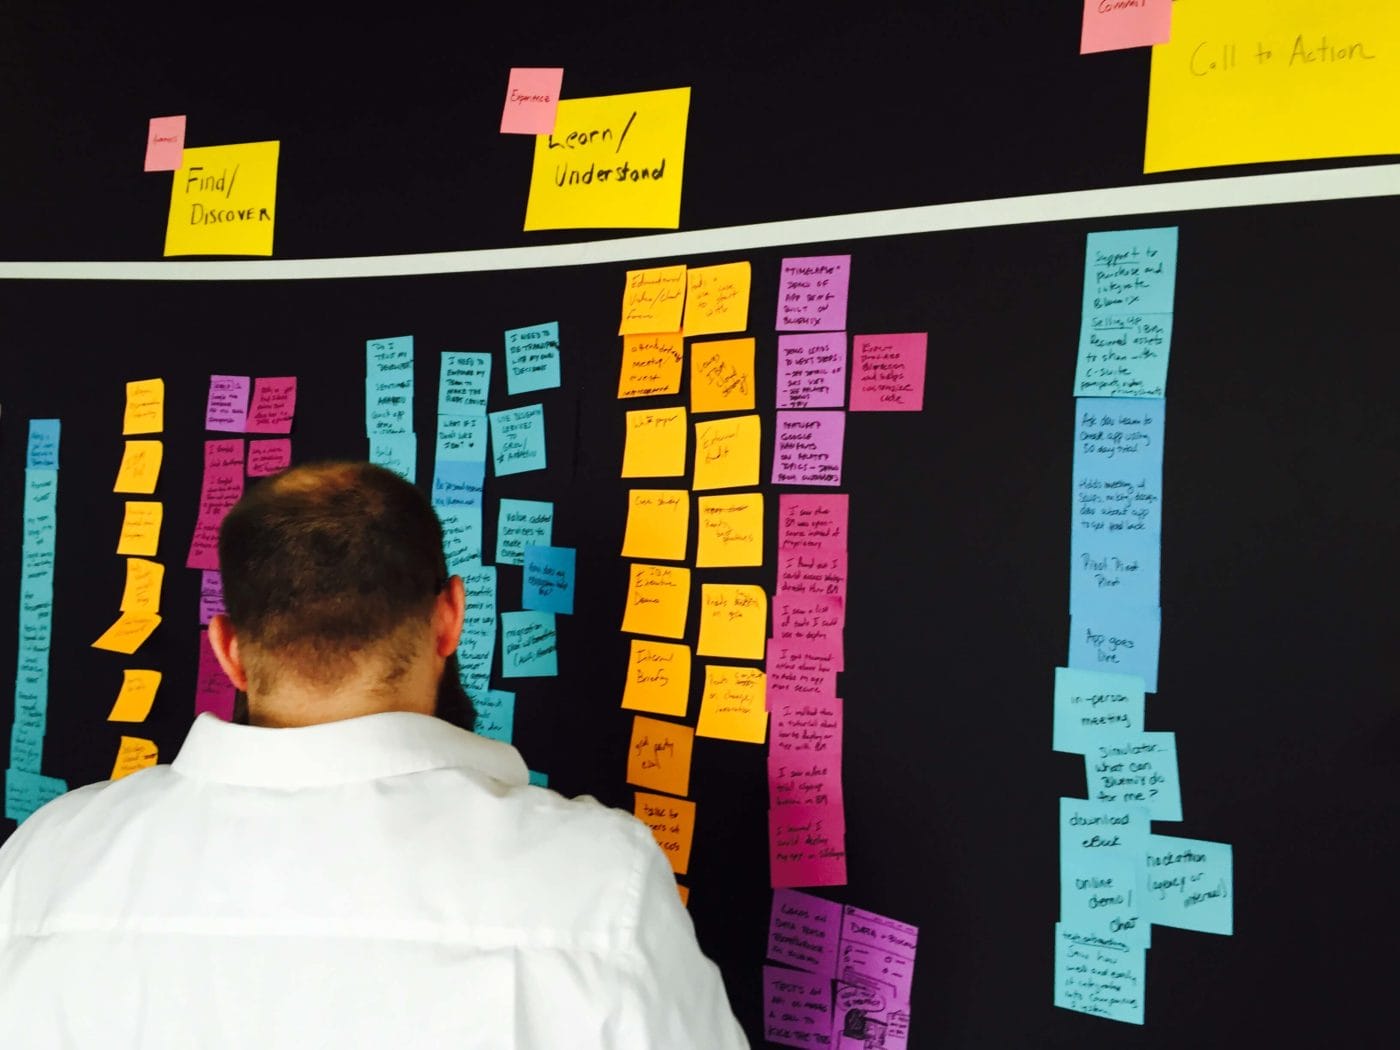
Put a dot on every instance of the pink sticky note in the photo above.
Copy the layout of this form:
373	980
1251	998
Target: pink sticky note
796	1008
227	407
532	96
812	522
887	372
269	457
165	144
793	677
878	949
813	572
274	401
211	595
218	492
812	293
804	753
804	931
807	448
1113	26
812	370
212	689
811	624
807	846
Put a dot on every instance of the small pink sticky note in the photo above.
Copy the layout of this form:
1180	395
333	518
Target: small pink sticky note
813	572
269	457
887	372
212	689
808	448
812	522
807	845
165	144
227	407
1111	25
211	595
812	624
532	96
274	402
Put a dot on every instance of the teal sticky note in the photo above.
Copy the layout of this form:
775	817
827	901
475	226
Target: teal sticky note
547	584
396	452
42	450
528	645
1091	706
532	358
1137	769
25	792
1116	473
464	382
1190	884
40	507
522	523
1090	829
1126	327
462	438
517	440
458	483
1103	976
477	647
26	748
495	714
1105	896
389	386
461	538
1121	640
539	779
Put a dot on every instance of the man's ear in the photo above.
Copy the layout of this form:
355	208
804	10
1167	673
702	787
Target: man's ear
224	641
448	613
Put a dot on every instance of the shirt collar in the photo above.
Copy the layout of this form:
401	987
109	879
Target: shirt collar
387	744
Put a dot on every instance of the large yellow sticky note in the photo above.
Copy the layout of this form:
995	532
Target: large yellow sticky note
223	201
611	162
721	375
143	582
659	756
658	678
138	693
1266	80
134	753
653	301
726	452
145	407
128	633
733	704
658	524
733	620
731	530
672	822
140	528
651	365
655	445
717	299
140	469
658	598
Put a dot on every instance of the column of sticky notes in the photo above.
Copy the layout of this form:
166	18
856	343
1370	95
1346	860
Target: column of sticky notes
1117	877
26	789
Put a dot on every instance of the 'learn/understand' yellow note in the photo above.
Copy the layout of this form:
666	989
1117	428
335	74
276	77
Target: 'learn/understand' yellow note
145	407
611	162
655	445
128	633
138	693
658	598
733	620
733	705
223	201
140	467
658	678
658	524
1265	80
717	299
133	754
726	452
141	528
731	530
143	583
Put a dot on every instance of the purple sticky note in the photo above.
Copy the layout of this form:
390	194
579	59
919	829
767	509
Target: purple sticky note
211	595
812	294
887	372
804	931
807	845
227	408
269	457
812	370
212	689
878	952
796	1008
218	492
532	96
274	402
808	447
165	144
812	522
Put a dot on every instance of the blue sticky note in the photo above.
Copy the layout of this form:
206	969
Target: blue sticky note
532	358
1123	355
25	792
477	647
461	538
1191	884
1117	472
389	385
396	452
42	453
495	714
1125	641
462	438
528	648
517	440
522	523
1126	328
1122	568
1103	976
1090	830
1105	896
464	382
26	748
1138	769
1095	706
1130	271
539	779
548	584
458	483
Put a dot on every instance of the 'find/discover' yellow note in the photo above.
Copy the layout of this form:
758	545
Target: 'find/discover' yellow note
223	201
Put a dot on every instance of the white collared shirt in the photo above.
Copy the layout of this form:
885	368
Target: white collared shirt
385	881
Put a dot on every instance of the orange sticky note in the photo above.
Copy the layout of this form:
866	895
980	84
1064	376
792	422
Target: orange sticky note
658	678
1110	26
140	528
672	823
140	467
651	364
145	407
731	530
138	693
733	704
659	755
128	633
726	452
717	299
658	598
133	754
658	524
655	443
143	582
733	620
684	891
721	375
653	300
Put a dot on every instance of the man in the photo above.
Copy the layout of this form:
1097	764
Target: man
346	870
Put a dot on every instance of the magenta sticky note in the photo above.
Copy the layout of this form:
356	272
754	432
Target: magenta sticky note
793	676
273	404
227	407
880	949
813	572
812	522
1112	26
804	931
532	96
807	448
807	846
165	144
211	595
218	492
812	370
810	623
796	1008
812	293
804	753
887	372
212	689
271	456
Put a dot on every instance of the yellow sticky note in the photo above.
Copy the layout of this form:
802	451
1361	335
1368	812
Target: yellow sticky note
658	524
651	365
658	598
143	582
672	823
611	162
134	753
726	452
733	620
717	299
145	407
653	301
223	201
128	633
140	467
731	530
1266	80
659	755
138	693
733	706
721	375
658	678
140	527
655	445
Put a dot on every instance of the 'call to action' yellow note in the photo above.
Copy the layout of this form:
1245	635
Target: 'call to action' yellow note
223	201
